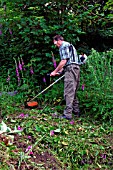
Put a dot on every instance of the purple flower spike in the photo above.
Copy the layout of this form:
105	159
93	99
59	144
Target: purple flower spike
10	31
83	87
23	64
17	72
8	78
44	80
54	62
0	32
18	79
31	70
55	65
20	66
52	133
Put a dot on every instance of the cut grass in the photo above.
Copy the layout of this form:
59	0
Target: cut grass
78	144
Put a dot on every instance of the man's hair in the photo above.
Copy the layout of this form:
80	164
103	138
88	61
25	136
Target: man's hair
58	37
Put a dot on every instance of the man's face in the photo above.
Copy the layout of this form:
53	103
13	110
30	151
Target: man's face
57	43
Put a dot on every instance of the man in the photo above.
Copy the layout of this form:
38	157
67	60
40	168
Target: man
69	62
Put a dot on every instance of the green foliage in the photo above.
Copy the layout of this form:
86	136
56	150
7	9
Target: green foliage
95	98
27	29
97	74
82	143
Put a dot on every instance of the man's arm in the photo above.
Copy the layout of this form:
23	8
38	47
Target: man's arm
59	68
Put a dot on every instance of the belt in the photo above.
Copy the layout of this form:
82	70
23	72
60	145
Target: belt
71	64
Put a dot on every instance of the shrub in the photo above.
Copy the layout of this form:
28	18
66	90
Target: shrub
96	77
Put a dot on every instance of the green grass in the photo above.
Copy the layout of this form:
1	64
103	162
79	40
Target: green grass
79	144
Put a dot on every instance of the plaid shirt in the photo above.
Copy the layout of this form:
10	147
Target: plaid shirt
66	53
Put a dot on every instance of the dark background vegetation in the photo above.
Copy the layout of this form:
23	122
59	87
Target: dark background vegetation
27	28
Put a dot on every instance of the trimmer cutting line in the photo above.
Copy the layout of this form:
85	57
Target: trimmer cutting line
32	103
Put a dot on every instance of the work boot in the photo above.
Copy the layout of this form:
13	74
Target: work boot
64	117
67	115
76	114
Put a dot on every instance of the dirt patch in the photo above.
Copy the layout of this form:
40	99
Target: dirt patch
35	161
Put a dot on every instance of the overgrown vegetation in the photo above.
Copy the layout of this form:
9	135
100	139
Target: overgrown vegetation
47	142
27	28
97	79
36	138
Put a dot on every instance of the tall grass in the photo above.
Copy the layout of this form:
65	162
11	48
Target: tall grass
97	77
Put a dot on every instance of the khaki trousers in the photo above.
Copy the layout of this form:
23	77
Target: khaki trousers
71	84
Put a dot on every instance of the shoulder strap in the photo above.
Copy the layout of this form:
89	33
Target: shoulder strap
71	49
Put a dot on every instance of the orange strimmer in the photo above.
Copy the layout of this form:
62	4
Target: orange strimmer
32	103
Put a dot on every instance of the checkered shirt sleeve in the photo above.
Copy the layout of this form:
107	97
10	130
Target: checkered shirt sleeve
64	53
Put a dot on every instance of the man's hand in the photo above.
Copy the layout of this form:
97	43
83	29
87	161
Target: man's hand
59	68
53	73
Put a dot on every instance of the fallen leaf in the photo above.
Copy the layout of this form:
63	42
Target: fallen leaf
66	132
57	130
65	143
80	129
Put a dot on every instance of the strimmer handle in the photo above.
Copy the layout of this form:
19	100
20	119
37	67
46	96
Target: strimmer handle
47	88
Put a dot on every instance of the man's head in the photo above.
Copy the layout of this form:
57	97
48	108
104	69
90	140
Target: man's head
57	40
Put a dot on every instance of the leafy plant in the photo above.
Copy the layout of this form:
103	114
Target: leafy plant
96	98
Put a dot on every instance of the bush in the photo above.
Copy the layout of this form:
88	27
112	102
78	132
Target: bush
96	77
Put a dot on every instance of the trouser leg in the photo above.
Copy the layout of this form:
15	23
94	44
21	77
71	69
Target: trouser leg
75	101
70	88
76	106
